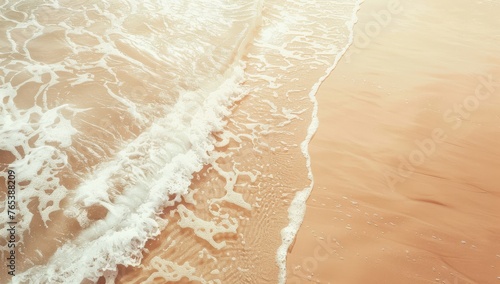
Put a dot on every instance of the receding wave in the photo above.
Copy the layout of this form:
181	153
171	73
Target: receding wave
150	138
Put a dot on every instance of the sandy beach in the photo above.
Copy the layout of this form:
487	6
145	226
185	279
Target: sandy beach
405	160
166	141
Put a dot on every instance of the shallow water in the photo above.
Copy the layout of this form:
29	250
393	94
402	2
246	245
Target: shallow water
162	140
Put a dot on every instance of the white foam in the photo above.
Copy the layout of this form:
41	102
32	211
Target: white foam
133	214
195	46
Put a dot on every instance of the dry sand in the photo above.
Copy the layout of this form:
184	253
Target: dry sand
405	160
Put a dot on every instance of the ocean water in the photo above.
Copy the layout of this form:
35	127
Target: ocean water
160	141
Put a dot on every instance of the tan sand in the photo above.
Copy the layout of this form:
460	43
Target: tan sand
405	160
371	218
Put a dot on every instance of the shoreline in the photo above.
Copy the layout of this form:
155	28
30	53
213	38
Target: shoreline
404	181
297	208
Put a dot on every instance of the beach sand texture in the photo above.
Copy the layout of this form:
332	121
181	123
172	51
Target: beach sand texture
406	157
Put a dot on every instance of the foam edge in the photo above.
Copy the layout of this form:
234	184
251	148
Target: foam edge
297	209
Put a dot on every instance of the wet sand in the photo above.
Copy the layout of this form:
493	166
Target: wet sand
405	159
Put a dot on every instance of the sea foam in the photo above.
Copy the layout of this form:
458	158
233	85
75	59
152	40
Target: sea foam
109	113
